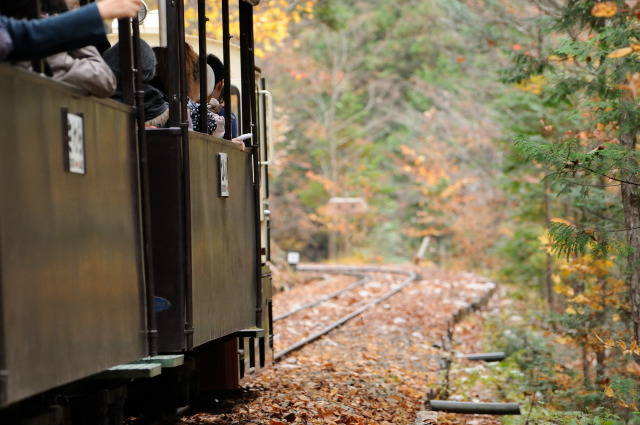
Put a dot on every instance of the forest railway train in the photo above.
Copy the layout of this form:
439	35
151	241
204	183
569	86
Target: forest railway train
133	260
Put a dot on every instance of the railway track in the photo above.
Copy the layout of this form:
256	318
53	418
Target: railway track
378	284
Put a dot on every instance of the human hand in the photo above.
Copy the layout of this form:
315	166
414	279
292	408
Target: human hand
214	106
239	143
116	9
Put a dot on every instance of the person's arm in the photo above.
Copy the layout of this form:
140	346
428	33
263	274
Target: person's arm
44	37
6	43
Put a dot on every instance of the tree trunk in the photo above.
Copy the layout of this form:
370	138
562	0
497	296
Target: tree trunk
631	205
549	270
599	366
585	364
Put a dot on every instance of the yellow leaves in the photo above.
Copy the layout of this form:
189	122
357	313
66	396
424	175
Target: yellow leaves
633	367
564	340
608	344
570	310
271	24
580	299
633	349
608	391
620	53
605	9
533	85
560	220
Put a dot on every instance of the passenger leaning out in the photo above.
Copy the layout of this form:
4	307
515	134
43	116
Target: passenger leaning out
82	69
28	40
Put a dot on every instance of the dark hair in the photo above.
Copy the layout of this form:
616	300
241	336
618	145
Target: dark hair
18	9
21	9
53	7
218	67
161	80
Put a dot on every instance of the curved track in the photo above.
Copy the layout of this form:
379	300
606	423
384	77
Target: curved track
363	279
410	277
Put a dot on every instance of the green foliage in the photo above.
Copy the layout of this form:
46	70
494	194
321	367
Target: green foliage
569	240
525	260
522	68
334	14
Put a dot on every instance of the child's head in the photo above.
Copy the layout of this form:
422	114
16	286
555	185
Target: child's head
147	57
218	68
192	70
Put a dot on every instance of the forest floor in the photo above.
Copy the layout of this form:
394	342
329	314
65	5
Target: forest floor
379	368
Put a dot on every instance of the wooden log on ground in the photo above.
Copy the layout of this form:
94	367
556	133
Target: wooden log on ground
487	357
472	408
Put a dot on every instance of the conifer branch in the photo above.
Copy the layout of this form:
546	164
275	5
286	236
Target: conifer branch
609	177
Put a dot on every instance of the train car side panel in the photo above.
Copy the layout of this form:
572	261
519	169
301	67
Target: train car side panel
223	240
71	279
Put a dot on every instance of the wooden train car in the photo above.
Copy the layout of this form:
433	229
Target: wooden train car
133	260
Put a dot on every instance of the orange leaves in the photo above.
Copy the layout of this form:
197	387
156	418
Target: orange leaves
632	84
605	9
620	53
630	350
608	344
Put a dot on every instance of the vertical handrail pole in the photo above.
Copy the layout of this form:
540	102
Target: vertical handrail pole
186	180
226	54
34	12
126	64
248	126
202	64
152	328
173	57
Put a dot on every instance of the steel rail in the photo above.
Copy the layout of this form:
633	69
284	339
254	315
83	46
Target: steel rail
412	276
363	279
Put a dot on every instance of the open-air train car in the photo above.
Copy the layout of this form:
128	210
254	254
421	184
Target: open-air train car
133	261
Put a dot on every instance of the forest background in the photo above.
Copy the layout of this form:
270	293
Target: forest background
503	132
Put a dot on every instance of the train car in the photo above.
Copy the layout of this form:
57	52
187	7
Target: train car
133	260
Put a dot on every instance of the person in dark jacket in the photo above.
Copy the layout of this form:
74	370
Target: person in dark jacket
156	106
39	38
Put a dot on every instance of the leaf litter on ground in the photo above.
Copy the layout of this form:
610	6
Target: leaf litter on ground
376	369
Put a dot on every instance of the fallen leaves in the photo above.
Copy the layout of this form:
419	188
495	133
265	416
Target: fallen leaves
370	371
